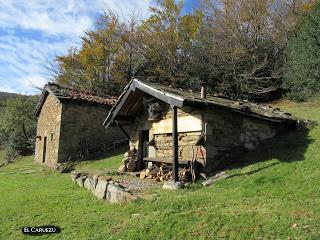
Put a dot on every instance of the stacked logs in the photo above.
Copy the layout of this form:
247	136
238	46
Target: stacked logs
164	173
129	163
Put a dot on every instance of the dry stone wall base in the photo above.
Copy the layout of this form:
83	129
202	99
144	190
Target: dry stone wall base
80	180
117	194
100	190
90	184
103	187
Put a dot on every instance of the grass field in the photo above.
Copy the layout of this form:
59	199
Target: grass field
275	195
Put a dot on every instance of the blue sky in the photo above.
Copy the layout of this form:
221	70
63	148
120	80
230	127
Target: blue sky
33	32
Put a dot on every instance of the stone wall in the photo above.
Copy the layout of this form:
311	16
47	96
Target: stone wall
229	134
187	146
103	187
163	141
81	124
48	126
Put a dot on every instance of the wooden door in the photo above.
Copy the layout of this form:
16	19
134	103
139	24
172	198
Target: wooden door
44	154
145	140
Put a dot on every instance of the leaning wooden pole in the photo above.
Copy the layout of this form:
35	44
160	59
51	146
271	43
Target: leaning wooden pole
175	176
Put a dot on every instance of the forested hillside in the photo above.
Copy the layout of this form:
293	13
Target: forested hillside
238	48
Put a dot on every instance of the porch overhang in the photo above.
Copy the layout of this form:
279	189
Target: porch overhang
134	84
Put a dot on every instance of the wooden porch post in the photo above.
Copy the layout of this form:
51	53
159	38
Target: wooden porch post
175	176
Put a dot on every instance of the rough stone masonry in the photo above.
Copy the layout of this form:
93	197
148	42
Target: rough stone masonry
103	187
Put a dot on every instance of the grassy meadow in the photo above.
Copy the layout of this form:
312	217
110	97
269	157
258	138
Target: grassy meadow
275	194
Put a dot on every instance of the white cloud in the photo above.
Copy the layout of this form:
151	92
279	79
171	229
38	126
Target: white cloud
35	31
51	17
23	62
69	17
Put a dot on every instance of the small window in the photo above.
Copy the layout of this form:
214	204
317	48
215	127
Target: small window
51	136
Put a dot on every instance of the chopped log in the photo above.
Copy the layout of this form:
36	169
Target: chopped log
122	168
142	175
125	160
131	166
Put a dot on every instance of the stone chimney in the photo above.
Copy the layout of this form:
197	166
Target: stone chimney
203	85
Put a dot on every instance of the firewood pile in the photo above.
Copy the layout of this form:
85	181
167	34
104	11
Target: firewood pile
160	172
129	163
164	173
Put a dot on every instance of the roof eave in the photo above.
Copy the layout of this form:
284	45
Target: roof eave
134	84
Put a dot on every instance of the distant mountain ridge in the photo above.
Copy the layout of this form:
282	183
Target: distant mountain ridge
6	95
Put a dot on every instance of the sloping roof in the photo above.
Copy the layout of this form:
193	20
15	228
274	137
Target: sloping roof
179	98
64	93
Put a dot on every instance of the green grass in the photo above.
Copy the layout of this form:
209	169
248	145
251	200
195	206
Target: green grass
109	164
276	188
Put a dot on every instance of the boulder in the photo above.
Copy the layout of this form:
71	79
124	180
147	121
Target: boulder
117	194
100	190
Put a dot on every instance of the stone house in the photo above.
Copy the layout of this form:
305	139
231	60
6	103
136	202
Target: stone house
175	126
69	125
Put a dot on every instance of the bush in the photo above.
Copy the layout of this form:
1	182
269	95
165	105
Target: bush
302	76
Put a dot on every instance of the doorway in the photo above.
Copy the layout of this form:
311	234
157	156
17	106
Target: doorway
44	154
143	147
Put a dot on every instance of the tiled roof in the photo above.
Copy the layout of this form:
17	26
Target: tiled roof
70	94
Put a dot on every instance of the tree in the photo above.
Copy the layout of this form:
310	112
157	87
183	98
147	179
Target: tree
18	126
302	75
168	37
106	60
237	46
247	39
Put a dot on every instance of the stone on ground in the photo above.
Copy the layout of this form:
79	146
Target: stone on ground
172	185
117	194
211	180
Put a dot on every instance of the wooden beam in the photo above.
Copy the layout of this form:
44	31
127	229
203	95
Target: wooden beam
164	96
175	163
140	152
122	129
116	108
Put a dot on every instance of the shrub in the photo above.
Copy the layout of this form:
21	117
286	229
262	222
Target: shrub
18	126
